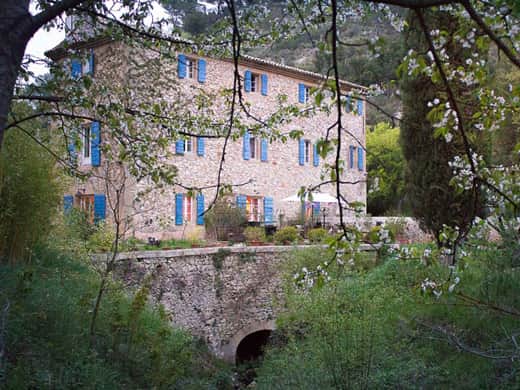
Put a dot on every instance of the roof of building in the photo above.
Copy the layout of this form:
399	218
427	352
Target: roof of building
60	51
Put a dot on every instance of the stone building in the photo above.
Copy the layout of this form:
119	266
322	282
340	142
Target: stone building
269	169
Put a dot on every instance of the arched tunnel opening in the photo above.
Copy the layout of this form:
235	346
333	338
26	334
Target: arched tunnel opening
251	348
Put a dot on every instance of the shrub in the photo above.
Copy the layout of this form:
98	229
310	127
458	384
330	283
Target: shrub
317	235
224	219
102	238
397	226
286	235
252	233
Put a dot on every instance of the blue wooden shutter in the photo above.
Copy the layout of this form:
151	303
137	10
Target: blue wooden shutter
315	156
301	152
241	202
91	63
100	206
178	209
200	146
200	209
351	156
268	211
247	81
264	84
360	107
301	93
181	66
348	104
246	150
95	144
263	150
202	71
360	158
179	146
76	68
68	201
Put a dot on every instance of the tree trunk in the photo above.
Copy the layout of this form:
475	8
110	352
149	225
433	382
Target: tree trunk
15	32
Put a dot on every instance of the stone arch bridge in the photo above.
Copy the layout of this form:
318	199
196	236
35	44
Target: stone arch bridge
227	296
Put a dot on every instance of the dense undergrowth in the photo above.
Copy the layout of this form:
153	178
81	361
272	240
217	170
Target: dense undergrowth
381	329
47	335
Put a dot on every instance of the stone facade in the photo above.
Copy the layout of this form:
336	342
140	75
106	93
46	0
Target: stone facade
277	178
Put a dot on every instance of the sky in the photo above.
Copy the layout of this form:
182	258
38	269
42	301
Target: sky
41	42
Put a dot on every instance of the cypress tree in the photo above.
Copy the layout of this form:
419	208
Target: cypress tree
433	200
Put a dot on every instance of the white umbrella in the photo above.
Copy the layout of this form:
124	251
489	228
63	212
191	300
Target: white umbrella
319	197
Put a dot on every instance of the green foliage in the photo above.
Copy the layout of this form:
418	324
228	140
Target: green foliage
317	235
396	227
433	200
224	219
102	238
30	193
374	235
47	333
253	233
385	166
286	235
220	257
381	329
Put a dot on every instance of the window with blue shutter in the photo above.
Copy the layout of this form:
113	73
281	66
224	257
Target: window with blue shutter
201	71
351	156
179	146
200	146
76	68
178	209
348	104
301	151
301	93
95	145
200	209
247	81
315	156
68	202
264	84
100	205
360	107
246	149
360	159
181	66
242	202
263	150
268	211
